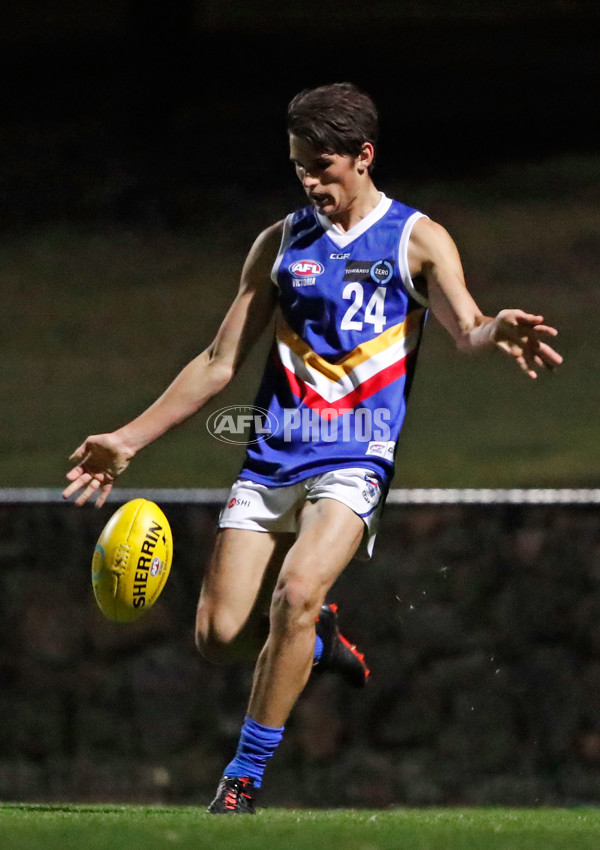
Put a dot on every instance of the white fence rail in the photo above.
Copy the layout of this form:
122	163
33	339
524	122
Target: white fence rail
417	496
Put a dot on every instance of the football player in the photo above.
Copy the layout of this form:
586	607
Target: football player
350	278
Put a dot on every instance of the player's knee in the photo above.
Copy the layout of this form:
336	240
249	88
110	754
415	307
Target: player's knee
296	602
215	635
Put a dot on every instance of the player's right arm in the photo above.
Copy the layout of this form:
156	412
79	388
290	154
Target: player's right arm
433	257
102	457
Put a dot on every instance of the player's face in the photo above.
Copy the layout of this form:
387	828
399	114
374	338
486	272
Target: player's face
332	181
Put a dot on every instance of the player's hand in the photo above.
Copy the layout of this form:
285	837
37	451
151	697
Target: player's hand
100	459
524	337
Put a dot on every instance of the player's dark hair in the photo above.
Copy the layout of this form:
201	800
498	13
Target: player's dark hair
337	118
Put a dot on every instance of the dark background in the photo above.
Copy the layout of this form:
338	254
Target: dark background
140	140
480	625
156	112
143	147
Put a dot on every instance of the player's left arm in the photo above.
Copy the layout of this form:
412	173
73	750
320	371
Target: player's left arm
434	258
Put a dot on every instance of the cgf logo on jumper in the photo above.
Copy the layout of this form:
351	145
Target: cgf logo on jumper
305	272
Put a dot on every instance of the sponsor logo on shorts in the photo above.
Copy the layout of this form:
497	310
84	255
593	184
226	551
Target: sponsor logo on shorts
367	271
241	424
237	502
371	490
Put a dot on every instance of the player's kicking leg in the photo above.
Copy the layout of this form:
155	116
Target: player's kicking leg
229	615
329	536
232	616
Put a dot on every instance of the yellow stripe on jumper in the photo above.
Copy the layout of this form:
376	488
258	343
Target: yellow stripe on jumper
362	352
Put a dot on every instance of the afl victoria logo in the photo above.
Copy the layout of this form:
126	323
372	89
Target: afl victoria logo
306	268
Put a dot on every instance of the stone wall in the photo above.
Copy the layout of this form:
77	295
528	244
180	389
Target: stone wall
481	626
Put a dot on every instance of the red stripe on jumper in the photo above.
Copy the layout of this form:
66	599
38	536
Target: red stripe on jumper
312	399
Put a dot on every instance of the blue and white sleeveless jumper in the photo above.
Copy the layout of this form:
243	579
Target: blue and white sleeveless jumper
348	330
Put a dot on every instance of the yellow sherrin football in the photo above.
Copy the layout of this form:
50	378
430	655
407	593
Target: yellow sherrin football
132	560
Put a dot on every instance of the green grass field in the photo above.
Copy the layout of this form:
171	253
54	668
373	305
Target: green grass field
70	827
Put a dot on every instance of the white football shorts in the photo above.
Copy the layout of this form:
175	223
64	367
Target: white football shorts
257	507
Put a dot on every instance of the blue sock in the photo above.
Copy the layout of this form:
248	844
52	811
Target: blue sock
318	649
257	745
